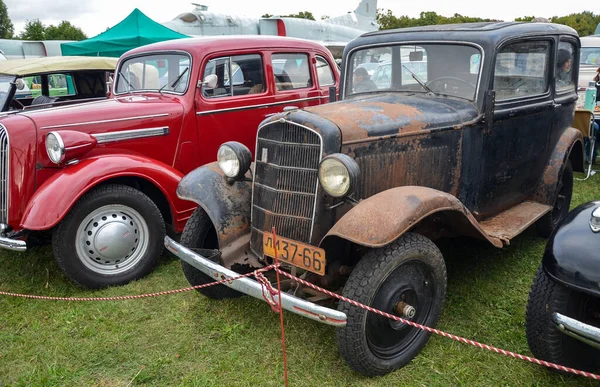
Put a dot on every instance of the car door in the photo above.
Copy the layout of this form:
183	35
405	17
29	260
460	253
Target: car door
565	88
232	108
514	146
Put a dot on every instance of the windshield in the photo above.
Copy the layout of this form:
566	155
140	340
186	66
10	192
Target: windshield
157	72
6	82
590	56
442	69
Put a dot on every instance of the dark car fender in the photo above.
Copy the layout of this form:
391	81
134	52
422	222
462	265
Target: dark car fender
383	218
227	203
572	255
569	147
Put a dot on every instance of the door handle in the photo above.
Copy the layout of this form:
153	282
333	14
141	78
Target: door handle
556	105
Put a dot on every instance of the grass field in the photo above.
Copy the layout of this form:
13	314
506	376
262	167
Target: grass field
188	340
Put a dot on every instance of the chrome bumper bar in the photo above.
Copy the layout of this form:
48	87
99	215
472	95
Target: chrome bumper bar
583	332
12	244
253	288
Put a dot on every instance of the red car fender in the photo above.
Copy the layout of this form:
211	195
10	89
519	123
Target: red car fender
53	199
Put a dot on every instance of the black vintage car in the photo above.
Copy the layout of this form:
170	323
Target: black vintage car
563	312
465	131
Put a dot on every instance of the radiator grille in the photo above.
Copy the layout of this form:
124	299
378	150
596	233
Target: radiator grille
4	174
285	182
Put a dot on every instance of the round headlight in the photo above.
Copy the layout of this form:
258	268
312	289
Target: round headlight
234	159
55	147
338	175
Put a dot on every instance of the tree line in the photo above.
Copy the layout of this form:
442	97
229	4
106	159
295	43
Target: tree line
584	23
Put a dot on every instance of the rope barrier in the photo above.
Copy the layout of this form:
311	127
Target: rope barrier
269	294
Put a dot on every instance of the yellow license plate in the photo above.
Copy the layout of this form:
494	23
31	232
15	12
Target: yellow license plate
295	253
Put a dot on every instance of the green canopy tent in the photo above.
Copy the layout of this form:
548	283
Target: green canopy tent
134	31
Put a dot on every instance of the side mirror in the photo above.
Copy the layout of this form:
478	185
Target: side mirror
20	84
210	82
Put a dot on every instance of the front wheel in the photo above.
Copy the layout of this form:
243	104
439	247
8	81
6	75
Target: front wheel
406	278
545	340
112	235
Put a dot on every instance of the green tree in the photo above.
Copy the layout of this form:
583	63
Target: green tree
525	19
34	30
64	31
584	23
7	29
299	15
387	20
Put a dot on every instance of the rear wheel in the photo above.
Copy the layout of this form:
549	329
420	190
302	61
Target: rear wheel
545	340
200	233
406	278
548	222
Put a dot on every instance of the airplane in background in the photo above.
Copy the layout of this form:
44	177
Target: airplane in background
334	33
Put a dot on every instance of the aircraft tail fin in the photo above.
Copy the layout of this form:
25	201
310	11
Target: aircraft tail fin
367	9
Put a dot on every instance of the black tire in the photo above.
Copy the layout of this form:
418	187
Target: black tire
411	269
548	222
545	340
199	232
93	221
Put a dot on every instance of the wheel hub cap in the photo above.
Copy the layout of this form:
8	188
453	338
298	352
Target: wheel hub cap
111	239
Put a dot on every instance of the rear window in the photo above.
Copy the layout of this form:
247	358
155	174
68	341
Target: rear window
291	71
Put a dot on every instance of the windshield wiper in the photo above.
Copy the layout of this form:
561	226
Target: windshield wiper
419	81
175	82
127	80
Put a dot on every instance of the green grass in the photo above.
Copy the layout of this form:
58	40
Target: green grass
188	340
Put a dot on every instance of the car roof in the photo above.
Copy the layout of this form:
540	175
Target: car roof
590	41
207	44
50	64
486	34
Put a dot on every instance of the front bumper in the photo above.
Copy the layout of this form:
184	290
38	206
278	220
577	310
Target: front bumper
583	332
12	244
253	288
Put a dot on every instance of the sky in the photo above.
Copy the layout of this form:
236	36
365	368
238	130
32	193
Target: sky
94	16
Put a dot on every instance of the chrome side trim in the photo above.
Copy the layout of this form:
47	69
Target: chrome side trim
585	333
257	106
105	121
253	288
130	134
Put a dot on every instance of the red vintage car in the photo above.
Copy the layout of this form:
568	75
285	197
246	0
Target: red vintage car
101	176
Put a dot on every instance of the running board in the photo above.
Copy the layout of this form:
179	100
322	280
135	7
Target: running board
510	223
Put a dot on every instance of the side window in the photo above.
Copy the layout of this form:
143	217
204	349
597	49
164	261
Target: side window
564	64
291	71
522	70
236	75
60	85
324	72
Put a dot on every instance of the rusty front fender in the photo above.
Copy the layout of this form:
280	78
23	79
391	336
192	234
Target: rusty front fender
569	147
383	218
227	204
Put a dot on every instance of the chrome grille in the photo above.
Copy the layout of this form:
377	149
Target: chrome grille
4	174
285	182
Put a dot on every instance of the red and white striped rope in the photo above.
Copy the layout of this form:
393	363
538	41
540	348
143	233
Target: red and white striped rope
139	296
441	333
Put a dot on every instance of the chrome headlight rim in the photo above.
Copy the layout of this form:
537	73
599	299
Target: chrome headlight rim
61	145
242	155
352	171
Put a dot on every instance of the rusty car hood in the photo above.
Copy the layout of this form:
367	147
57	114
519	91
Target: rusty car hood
391	114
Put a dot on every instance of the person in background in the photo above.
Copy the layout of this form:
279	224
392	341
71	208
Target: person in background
362	81
563	76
